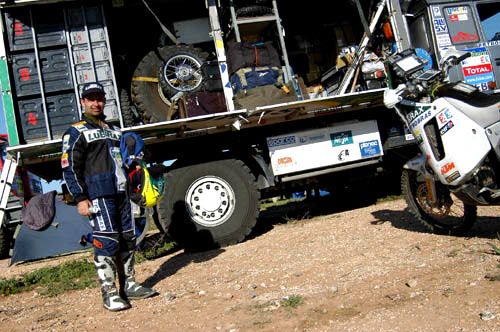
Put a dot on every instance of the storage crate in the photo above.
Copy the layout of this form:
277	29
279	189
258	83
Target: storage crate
55	67
85	72
62	110
49	26
79	35
82	55
111	110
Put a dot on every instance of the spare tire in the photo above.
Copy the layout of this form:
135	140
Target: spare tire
182	69
251	11
150	90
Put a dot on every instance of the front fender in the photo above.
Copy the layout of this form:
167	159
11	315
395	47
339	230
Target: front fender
416	164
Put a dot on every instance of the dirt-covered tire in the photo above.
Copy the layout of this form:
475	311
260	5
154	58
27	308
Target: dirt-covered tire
250	11
147	93
182	69
6	236
451	216
145	89
129	113
209	205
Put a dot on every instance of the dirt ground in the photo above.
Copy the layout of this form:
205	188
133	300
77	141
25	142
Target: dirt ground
369	269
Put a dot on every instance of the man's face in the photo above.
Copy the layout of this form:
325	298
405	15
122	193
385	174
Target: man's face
93	104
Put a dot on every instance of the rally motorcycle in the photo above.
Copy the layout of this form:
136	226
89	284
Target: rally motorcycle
457	129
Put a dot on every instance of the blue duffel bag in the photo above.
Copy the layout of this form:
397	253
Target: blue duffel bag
249	78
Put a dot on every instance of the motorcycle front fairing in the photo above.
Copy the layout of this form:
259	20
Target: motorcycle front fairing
454	144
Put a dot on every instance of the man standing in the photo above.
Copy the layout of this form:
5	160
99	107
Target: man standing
92	170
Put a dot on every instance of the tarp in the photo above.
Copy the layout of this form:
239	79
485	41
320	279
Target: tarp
61	237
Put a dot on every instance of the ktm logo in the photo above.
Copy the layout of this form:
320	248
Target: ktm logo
447	168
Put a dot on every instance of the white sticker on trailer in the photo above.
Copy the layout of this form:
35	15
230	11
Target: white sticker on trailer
324	147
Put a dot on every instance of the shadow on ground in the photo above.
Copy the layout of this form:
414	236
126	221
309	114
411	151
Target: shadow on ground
345	199
486	226
175	263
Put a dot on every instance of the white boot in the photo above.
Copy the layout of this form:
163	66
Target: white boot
106	271
132	289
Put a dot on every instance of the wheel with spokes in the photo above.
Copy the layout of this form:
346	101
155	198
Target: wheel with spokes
448	215
182	69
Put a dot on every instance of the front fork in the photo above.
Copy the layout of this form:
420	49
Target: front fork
417	164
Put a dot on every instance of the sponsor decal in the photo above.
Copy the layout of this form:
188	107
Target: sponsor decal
443	130
420	119
302	139
444	116
279	141
476	70
343	155
462	37
419	110
115	153
440	25
458	17
341	138
285	161
65	143
453	177
98	134
456	10
64	160
97	243
369	148
490	43
447	168
436	11
443	40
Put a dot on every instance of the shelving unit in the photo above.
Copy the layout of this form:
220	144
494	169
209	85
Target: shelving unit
51	61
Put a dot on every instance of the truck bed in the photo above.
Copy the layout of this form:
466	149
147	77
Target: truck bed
44	151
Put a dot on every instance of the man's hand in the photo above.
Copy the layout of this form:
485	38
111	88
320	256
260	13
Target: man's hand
83	207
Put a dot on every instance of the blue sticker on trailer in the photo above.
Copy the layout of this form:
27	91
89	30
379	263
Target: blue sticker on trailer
341	138
369	148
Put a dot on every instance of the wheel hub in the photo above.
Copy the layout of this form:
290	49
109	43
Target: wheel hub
210	201
440	209
183	73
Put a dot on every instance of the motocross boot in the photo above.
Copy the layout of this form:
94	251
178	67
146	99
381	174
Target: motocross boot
106	271
130	288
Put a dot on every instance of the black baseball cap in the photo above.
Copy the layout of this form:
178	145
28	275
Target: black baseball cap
90	88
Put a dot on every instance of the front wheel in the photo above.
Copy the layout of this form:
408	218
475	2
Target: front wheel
212	204
449	216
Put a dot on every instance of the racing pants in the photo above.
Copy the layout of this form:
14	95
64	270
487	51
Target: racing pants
113	225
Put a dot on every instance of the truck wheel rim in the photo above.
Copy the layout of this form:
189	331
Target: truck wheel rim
210	201
183	73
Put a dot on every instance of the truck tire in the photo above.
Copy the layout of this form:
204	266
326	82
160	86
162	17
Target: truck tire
182	69
450	216
149	90
6	236
209	205
145	89
129	114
